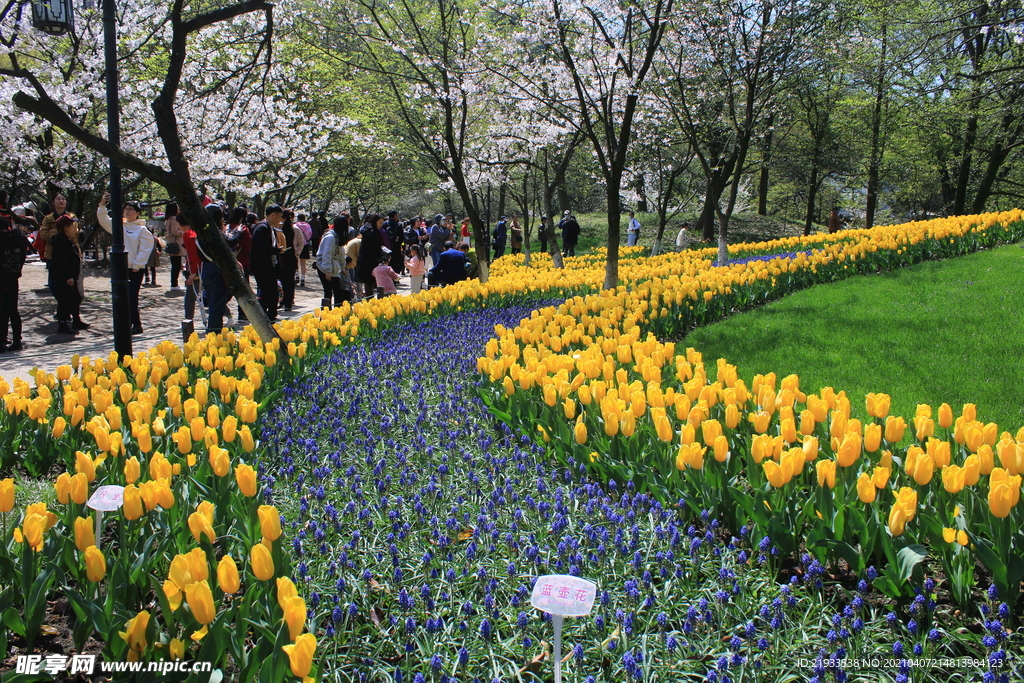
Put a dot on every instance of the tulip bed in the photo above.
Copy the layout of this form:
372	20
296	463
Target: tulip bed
195	565
592	377
419	526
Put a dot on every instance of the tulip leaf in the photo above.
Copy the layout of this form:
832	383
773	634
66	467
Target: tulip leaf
12	620
909	557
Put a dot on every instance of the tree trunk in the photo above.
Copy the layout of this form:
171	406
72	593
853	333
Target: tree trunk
706	220
812	197
876	140
549	228
988	181
963	176
611	265
766	160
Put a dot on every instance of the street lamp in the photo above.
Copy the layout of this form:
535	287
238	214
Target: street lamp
55	17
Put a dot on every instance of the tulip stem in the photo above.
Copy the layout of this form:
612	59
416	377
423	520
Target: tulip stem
99	524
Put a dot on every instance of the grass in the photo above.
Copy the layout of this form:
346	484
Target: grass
742	228
944	331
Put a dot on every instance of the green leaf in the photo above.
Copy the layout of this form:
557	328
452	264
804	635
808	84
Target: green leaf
909	557
13	621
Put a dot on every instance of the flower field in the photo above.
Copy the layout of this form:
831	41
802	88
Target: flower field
340	502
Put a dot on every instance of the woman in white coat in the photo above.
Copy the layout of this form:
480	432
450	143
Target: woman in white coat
138	242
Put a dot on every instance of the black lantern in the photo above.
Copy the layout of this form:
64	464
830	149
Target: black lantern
55	17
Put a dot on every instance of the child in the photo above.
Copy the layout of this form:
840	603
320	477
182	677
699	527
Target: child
417	267
385	276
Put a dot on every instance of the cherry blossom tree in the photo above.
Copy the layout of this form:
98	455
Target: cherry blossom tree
202	103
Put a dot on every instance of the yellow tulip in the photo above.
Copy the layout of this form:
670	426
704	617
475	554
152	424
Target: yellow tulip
721	448
135	632
176	649
132	470
787	429
173	594
59	425
228	428
295	616
220	462
568	408
826	470
246	436
79	488
270	522
878	405
865	488
732	416
919	465
300	654
245	477
227	575
953	478
285	589
945	416
894	429
6	495
760	420
924	427
85	465
849	449
85	536
132	506
663	425
261	562
948	534
961	537
972	469
95	564
1003	493
897	520
773	472
872	437
580	432
880	477
810	448
180	572
200	600
199	525
144	439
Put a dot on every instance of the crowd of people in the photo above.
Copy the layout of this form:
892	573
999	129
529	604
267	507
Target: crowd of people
275	251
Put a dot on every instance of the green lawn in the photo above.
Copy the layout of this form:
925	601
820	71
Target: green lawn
945	331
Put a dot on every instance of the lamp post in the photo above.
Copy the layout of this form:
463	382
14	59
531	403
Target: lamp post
119	285
56	17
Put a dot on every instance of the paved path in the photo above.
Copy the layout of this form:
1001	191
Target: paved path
162	311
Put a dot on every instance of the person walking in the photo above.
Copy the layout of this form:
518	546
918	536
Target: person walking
174	244
633	231
191	273
138	241
48	228
570	233
263	259
516	235
438	236
417	268
396	238
835	221
370	250
500	238
14	247
330	264
307	238
288	261
466	231
542	234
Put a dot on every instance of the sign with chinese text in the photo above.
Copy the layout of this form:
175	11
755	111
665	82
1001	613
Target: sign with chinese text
567	596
